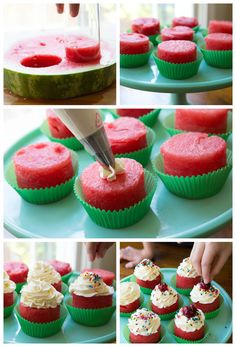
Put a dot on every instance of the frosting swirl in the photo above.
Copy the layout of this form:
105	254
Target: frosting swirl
144	322
40	294
186	269
110	175
44	272
129	292
9	286
165	298
189	324
89	284
204	296
146	270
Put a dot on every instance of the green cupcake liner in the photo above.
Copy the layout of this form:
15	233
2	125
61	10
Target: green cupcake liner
66	277
179	340
142	155
213	314
128	314
64	289
90	317
42	195
9	309
41	329
122	218
170	315
169	123
152	39
126	334
219	59
19	286
135	60
196	28
69	142
178	71
145	290
148	119
185	292
194	187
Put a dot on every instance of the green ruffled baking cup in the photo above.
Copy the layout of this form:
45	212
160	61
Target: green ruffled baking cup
69	142
170	315
64	289
41	329
19	286
135	60
213	314
126	334
9	309
42	195
169	121
177	71
148	119
183	291
145	290
66	277
194	187
128	314
179	340
219	59
122	218
152	39
90	317
142	155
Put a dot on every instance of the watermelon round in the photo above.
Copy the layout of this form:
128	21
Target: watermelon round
98	301
134	44
56	126
8	299
17	271
42	165
165	310
177	33
146	26
149	284
186	282
107	276
177	51
130	307
153	338
82	50
191	336
133	112
208	307
39	315
219	42
220	26
101	193
191	154
190	22
61	267
38	67
126	134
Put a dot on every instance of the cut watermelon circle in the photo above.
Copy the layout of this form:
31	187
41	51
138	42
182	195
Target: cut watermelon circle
40	60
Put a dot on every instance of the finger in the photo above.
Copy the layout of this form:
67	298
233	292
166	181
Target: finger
130	265
207	262
74	10
60	8
196	256
126	252
101	250
91	250
217	266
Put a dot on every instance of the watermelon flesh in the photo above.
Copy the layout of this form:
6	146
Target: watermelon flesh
17	271
177	51
83	50
219	42
133	112
177	33
56	126
190	22
146	26
107	276
220	26
134	44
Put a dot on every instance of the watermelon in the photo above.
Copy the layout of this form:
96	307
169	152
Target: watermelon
177	33
191	336
134	44
107	276
153	338
57	127
190	22
149	284
186	282
146	26
126	134
58	286
98	301
177	51
60	266
43	165
17	271
165	310
82	50
101	193
220	26
38	68
191	154
219	42
39	315
130	307
8	299
208	307
133	112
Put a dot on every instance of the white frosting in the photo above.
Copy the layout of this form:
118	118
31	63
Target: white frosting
44	272
9	286
129	292
146	270
186	269
204	296
89	284
144	322
189	324
110	175
164	299
40	294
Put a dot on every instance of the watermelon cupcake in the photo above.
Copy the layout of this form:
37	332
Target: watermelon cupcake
189	324
147	116
220	26
42	172
9	297
63	268
177	33
45	272
56	131
129	137
17	272
190	22
98	188
144	327
146	26
206	297
147	275
186	276
218	50
194	165
107	276
177	59
130	297
135	50
164	301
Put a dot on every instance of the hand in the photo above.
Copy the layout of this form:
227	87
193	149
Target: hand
134	255
97	249
208	258
74	9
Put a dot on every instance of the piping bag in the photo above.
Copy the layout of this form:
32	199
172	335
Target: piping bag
87	127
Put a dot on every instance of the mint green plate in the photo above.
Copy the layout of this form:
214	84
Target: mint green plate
220	327
169	216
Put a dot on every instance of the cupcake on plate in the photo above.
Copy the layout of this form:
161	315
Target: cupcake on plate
147	274
17	272
186	276
144	327
164	300
205	297
218	50
130	297
45	272
8	291
189	323
107	276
